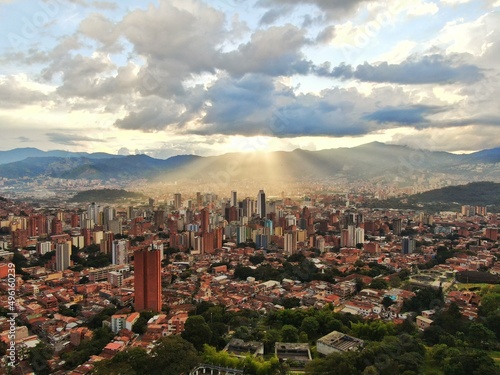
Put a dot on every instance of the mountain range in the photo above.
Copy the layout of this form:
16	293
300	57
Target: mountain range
374	161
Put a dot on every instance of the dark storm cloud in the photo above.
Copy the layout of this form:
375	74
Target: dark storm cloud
424	70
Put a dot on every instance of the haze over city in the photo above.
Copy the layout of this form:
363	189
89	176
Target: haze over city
210	77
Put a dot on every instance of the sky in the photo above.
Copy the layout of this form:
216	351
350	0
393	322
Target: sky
208	77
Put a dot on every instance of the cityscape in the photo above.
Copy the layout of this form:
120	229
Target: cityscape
261	187
221	272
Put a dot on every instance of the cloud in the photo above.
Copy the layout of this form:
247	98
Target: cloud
334	9
414	115
436	68
468	138
13	92
123	151
275	51
23	139
71	139
272	15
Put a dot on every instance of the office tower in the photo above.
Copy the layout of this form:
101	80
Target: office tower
93	211
63	254
234	200
177	201
199	199
147	279
290	243
205	220
119	252
261	204
407	245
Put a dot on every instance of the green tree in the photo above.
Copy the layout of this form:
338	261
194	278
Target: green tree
490	304
310	326
173	355
39	356
289	333
379	283
481	337
197	331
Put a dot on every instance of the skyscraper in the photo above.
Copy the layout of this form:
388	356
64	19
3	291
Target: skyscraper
290	243
261	204
234	200
119	252
177	200
63	254
147	279
205	220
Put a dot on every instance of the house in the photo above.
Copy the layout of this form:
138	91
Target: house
423	323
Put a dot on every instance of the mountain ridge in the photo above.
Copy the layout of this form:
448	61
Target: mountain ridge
373	160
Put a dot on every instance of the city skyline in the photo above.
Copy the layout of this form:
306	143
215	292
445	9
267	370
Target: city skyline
211	77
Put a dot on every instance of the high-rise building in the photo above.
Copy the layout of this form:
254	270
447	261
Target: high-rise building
177	201
119	252
262	241
205	220
93	213
261	204
290	243
43	247
63	255
396	226
56	227
20	238
234	199
407	245
147	279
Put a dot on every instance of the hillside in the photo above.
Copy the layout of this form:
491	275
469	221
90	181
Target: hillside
105	195
375	162
476	193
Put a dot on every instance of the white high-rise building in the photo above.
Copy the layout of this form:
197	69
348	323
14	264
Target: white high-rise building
119	252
